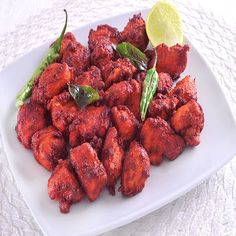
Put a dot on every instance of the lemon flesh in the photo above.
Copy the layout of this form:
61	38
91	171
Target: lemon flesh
164	25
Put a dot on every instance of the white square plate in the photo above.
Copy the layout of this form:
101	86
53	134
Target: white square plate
167	182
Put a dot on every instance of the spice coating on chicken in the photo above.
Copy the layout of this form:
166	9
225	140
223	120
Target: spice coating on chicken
118	93
188	121
162	106
136	170
172	60
116	71
92	78
125	122
64	187
112	158
89	169
48	147
91	121
31	118
135	32
51	82
63	111
160	140
165	83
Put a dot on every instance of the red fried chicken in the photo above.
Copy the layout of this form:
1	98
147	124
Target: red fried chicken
125	122
112	158
89	169
188	121
172	60
51	82
185	90
165	83
133	100
160	140
63	111
136	170
162	106
135	32
76	56
116	71
111	34
48	147
64	187
31	118
92	78
67	39
91	121
118	93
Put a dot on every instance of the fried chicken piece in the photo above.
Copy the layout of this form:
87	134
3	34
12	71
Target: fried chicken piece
51	82
67	39
133	101
172	60
96	144
140	77
103	32
89	169
64	187
92	121
188	121
31	118
125	122
118	93
165	83
63	111
135	32
116	71
162	106
92	78
112	158
185	90
159	139
103	53
48	147
76	56
136	170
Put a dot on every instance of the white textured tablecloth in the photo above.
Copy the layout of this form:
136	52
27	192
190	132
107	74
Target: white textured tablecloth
209	209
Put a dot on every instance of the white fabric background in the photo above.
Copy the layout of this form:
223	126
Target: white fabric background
209	209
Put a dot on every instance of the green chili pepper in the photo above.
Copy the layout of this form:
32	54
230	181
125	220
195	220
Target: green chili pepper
150	85
52	54
83	94
136	57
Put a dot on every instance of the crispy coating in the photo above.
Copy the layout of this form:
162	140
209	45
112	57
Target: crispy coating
63	111
185	90
48	147
116	71
133	101
125	122
118	93
103	32
77	56
112	158
159	140
135	32
162	106
172	60
92	78
31	118
165	83
89	169
92	121
51	82
188	121
64	187
103	53
136	170
67	39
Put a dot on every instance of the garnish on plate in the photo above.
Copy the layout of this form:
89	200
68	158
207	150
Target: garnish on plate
51	56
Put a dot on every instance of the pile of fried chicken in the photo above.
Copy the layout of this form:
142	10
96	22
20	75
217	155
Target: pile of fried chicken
90	148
